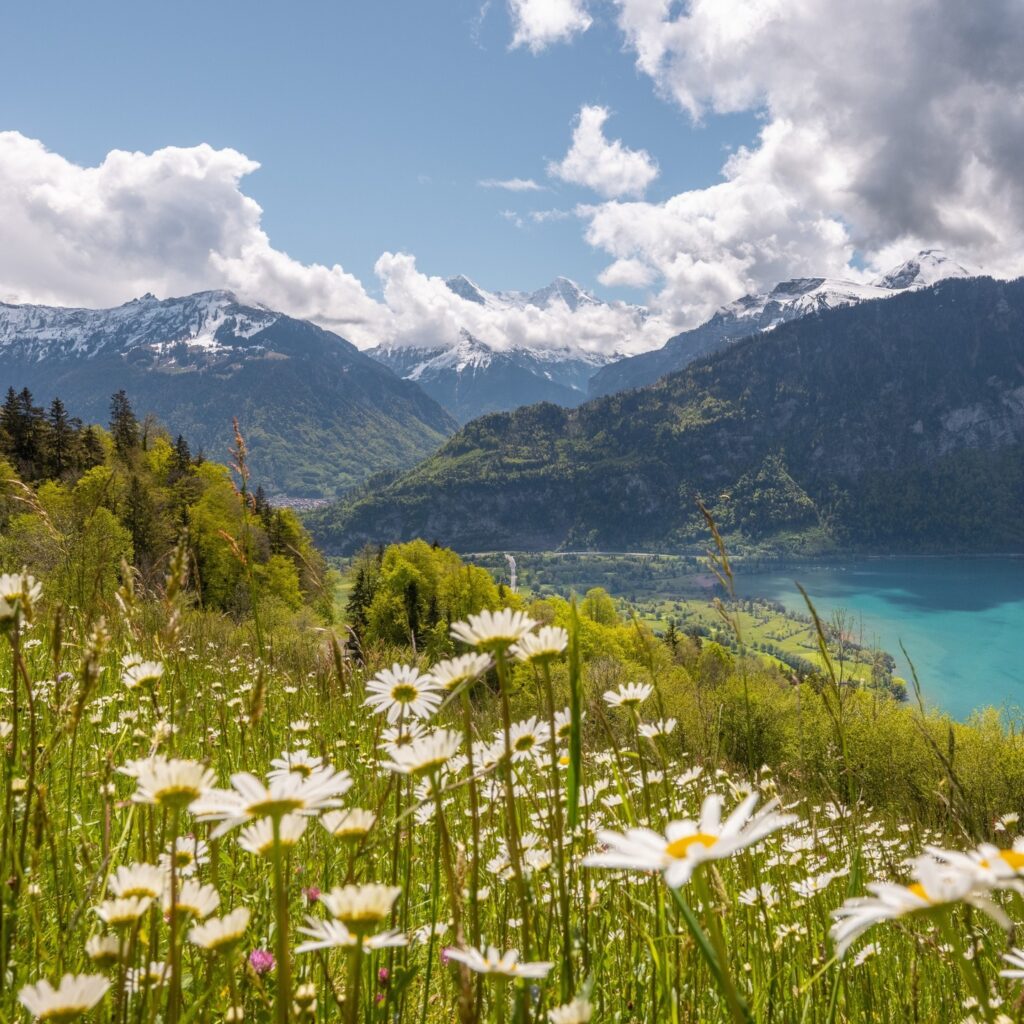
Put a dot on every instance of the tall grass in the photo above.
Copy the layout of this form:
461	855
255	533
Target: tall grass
513	782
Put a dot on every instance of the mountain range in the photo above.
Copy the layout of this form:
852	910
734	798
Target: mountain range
319	415
883	425
755	313
472	377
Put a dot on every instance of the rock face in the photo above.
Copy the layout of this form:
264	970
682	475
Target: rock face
319	415
888	425
754	314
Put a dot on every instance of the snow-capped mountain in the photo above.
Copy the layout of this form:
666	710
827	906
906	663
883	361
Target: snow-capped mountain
318	414
928	267
752	314
471	377
212	323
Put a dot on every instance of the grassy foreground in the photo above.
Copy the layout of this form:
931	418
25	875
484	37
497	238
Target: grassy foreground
206	821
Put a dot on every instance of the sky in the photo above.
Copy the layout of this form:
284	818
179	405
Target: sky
336	161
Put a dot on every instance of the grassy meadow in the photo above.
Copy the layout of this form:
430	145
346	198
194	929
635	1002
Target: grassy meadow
225	801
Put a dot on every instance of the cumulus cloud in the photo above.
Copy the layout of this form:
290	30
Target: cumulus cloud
890	126
177	221
170	222
512	184
539	23
609	168
427	313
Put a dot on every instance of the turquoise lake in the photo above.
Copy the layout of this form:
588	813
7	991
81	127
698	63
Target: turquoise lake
960	619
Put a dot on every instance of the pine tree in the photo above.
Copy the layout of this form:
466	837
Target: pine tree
671	637
62	454
124	427
182	458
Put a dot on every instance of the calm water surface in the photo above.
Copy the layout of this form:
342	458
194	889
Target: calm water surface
960	619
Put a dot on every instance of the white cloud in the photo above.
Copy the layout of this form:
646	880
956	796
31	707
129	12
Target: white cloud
609	168
890	125
177	221
427	313
627	273
539	23
512	184
169	222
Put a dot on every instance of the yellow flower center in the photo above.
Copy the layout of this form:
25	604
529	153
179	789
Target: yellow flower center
405	693
918	890
680	848
1013	859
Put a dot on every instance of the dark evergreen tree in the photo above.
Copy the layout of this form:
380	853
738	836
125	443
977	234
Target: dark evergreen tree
124	426
181	458
63	441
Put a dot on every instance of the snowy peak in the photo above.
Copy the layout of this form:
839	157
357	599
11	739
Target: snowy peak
928	267
561	290
210	321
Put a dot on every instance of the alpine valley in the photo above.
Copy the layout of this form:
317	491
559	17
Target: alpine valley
892	425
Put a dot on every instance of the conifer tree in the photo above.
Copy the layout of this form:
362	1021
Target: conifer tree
124	426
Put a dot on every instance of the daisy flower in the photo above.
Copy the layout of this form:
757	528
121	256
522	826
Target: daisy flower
195	899
119	913
74	995
652	730
402	689
18	593
631	695
137	880
494	962
250	799
493	631
544	645
352	823
937	885
334	934
103	950
360	906
526	738
220	932
142	673
425	755
173	783
258	838
301	762
579	1011
187	853
688	844
451	673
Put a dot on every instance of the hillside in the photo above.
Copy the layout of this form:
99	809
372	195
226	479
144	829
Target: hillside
893	425
319	415
752	314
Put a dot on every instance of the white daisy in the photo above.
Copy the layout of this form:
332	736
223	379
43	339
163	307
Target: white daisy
630	695
220	932
495	962
74	995
401	690
688	844
493	631
451	673
547	643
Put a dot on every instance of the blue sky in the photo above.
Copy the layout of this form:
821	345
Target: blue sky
706	149
372	122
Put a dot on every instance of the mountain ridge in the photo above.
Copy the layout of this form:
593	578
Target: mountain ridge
319	415
891	425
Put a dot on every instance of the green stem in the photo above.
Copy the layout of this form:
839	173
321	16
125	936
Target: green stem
283	993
